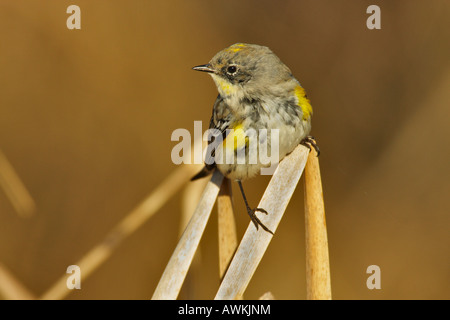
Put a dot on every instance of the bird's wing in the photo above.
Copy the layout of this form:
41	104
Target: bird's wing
220	121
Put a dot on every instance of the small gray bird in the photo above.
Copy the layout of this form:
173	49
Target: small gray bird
256	91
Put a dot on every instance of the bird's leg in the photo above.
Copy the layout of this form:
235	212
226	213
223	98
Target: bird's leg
252	212
310	141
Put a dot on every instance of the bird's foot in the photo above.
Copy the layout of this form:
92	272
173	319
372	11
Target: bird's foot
309	142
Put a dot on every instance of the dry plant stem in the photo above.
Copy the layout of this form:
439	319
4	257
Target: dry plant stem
226	227
189	199
267	296
100	253
15	190
318	285
172	279
11	288
255	242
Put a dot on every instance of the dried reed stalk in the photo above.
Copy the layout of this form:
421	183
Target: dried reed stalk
318	284
189	199
15	190
100	253
11	288
226	227
172	279
267	296
255	242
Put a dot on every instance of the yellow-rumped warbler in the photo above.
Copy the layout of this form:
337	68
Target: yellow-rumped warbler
256	91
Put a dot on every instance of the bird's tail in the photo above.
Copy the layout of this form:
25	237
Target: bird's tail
207	170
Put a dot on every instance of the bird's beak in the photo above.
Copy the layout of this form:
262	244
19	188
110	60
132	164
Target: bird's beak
204	68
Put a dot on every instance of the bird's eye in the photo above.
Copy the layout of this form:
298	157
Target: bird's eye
231	69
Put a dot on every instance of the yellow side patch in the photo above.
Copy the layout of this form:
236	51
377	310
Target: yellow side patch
303	102
236	47
236	139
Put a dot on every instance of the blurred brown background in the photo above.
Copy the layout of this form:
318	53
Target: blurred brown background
86	118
